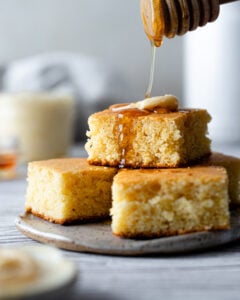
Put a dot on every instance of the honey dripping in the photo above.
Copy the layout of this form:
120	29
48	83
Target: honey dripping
170	18
120	134
124	129
153	20
153	23
152	69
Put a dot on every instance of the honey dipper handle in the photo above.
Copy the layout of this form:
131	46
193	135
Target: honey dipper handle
186	18
226	1
176	17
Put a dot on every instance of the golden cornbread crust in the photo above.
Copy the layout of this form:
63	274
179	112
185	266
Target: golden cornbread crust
114	164
137	139
82	219
164	202
69	190
150	235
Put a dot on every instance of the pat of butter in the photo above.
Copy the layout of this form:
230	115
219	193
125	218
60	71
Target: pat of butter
168	102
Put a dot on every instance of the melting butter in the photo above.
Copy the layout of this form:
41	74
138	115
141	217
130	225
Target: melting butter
168	102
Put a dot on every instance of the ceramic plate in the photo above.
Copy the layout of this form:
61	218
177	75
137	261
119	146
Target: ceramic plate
98	238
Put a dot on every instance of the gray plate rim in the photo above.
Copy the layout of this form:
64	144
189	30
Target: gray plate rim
97	238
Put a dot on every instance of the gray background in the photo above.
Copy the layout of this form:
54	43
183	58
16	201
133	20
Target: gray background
107	29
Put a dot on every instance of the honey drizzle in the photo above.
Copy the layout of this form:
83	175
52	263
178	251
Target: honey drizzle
153	20
124	121
152	69
122	138
120	135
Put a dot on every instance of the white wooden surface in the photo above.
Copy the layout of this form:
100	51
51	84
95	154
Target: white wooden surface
211	275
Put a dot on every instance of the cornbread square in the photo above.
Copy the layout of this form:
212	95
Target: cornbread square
162	202
67	190
232	166
135	138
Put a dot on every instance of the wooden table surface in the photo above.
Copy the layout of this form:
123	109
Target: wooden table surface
211	275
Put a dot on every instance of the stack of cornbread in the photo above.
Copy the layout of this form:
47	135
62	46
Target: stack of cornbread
150	167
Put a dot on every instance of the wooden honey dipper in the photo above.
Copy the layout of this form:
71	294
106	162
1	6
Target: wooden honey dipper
177	17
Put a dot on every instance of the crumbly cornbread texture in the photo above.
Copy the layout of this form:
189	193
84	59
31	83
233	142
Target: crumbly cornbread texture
67	190
162	202
232	166
135	138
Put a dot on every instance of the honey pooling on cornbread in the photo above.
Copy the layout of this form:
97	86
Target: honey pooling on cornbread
67	190
161	202
126	113
139	137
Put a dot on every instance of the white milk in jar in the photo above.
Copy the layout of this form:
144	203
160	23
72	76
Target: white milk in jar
41	122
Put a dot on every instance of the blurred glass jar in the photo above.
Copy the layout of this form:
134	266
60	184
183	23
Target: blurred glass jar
8	157
212	73
41	122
